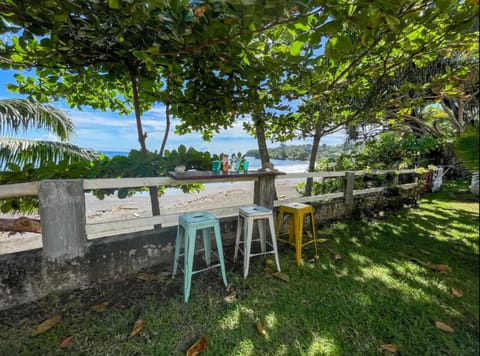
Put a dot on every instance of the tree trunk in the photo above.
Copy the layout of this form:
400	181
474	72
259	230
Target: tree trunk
141	139
267	187
167	129
261	141
313	158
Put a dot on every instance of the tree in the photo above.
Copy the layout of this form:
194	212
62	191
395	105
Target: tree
21	115
119	56
355	48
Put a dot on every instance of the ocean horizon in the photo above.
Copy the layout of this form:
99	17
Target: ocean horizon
287	165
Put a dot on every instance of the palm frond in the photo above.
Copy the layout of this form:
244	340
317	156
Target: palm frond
21	152
19	115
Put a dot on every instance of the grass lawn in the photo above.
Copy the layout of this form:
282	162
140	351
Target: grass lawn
367	289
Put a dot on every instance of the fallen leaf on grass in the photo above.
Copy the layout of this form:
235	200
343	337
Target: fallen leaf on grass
67	341
438	268
457	292
269	263
282	276
231	298
444	327
197	347
389	347
99	307
46	325
441	268
338	257
146	277
261	329
137	327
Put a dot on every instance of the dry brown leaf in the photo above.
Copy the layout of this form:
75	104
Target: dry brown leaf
438	268
231	298
268	270
165	276
389	347
444	327
137	327
282	276
99	307
197	347
146	277
261	329
199	11
269	263
67	341
46	325
457	292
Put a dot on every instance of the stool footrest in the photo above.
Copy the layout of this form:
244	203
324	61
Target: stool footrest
257	254
206	268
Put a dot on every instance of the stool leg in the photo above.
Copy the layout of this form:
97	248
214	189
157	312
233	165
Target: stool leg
247	246
298	237
190	236
279	223
177	250
262	233
314	232
291	228
237	239
218	240
274	242
206	246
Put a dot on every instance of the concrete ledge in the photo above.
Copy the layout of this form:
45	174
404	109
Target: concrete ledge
27	276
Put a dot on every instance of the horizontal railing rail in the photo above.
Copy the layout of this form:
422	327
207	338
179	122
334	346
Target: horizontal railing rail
94	229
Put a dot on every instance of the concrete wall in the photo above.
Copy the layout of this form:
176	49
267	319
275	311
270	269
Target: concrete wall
26	276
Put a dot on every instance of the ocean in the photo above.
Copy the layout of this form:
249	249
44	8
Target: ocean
287	166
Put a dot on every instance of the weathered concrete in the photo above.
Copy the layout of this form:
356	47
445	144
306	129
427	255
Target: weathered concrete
27	276
349	183
62	212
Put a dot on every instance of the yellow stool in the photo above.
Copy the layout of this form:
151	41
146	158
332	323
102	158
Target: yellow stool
297	213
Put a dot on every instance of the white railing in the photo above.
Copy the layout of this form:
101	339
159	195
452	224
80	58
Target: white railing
99	228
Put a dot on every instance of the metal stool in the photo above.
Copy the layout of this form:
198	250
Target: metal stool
247	216
190	224
297	215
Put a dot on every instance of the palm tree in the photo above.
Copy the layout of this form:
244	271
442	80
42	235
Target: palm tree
20	115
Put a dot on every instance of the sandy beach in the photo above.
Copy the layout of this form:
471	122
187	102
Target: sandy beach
174	202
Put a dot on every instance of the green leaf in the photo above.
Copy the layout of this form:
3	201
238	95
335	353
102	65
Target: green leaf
114	4
122	193
296	48
344	44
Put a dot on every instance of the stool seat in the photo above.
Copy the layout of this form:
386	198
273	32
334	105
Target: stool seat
297	213
247	216
189	224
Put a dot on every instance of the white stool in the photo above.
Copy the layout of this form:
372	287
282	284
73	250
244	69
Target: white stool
247	216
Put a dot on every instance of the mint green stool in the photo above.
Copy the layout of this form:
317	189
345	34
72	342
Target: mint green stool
189	224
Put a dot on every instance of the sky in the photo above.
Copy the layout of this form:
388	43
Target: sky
107	131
